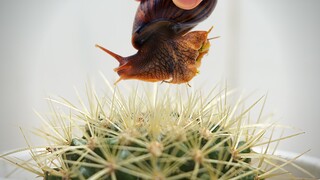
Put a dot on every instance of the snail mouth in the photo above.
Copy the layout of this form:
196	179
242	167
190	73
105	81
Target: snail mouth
122	68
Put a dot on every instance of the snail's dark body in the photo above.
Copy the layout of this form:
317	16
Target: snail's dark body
166	52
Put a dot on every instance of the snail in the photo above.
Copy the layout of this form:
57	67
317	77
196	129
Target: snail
167	51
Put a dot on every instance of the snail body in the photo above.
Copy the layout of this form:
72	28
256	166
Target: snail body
166	51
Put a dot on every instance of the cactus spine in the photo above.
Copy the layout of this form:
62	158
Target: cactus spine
154	135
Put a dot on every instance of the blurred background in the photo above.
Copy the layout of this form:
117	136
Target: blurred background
267	46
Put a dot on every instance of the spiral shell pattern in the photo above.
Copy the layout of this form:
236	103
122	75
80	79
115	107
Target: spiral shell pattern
153	16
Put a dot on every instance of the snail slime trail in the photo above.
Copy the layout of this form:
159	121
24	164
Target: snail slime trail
177	53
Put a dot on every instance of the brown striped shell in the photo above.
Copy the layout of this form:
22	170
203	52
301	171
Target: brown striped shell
167	52
155	15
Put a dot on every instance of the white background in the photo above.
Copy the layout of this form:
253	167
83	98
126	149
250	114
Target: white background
268	46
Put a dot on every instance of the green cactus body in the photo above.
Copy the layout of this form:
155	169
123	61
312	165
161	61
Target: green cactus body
155	142
177	154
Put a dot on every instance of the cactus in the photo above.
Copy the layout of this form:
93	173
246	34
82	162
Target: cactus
155	134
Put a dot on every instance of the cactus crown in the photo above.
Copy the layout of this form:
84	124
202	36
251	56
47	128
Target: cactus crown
156	134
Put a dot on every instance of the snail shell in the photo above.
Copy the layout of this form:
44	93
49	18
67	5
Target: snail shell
153	16
166	51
